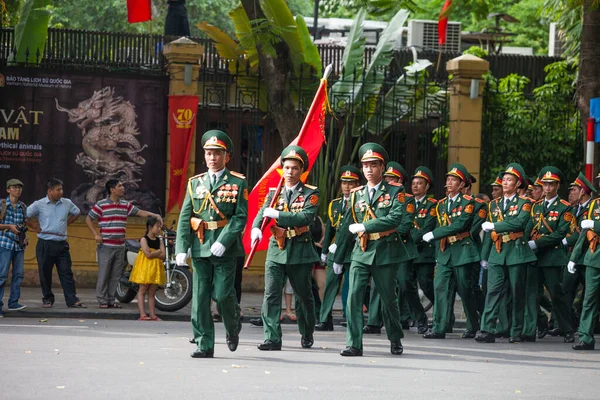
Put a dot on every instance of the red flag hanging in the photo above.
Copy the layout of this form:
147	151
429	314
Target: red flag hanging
311	139
139	10
182	125
443	22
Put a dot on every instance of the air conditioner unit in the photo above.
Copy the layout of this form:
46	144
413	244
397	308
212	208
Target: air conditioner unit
556	45
424	35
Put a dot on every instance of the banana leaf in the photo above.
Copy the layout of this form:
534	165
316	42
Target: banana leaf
243	31
281	17
352	62
227	48
311	53
31	32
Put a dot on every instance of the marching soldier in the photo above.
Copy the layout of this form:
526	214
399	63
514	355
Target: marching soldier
424	221
538	190
497	187
506	251
582	190
479	217
370	229
215	208
587	245
456	254
551	219
291	252
350	178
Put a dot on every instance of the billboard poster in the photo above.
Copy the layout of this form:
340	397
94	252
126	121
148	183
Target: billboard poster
84	129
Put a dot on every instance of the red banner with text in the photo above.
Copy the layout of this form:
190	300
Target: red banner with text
182	124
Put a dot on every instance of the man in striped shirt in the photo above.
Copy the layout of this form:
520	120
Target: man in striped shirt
111	214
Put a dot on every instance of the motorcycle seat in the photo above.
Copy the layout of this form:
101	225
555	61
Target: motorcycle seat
132	245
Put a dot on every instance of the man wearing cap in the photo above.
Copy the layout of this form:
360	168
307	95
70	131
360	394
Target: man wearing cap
291	252
13	216
507	253
551	219
456	256
479	217
424	221
370	229
212	219
538	190
350	178
497	187
587	245
582	190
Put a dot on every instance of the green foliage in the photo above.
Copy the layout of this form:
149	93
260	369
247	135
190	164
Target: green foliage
9	14
32	31
476	51
532	130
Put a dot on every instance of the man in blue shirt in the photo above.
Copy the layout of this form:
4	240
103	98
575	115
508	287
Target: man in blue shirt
12	222
54	213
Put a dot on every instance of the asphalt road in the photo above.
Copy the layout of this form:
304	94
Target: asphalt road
100	359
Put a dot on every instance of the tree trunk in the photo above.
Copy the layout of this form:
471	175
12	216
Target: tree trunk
275	72
588	83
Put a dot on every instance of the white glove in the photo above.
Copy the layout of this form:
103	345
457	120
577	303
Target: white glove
484	264
571	267
271	213
564	242
180	258
337	268
487	226
355	228
428	237
532	245
217	249
323	257
333	248
256	234
587	224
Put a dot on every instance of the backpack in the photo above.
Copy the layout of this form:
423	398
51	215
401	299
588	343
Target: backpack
5	206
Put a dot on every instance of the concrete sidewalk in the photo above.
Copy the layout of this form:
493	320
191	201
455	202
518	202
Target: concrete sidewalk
251	305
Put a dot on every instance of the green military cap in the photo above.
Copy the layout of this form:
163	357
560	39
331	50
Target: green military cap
517	171
551	174
460	171
525	182
498	181
14	182
349	173
372	152
217	140
529	183
396	170
425	173
538	182
472	180
583	183
294	153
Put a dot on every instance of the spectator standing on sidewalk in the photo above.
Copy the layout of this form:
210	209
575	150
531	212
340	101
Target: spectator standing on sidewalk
12	243
111	214
54	213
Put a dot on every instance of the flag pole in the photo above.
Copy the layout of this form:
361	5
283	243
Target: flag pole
265	220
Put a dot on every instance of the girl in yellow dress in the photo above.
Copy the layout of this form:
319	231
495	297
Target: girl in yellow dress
148	270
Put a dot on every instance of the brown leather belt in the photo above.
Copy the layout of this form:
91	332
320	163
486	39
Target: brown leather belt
499	238
199	226
280	234
457	238
295	231
593	238
365	237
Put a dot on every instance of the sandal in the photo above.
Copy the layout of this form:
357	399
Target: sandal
144	318
155	318
103	306
114	305
291	316
78	305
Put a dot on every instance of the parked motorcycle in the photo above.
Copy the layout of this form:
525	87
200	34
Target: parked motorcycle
176	293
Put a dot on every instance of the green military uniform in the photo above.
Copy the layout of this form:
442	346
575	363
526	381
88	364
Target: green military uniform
333	281
296	208
376	252
425	218
221	208
507	252
570	281
549	225
587	246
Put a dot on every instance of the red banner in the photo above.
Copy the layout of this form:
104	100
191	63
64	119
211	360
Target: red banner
139	11
443	22
182	125
311	139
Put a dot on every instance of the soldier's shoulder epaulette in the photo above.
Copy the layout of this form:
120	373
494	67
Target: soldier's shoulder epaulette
409	195
198	176
526	198
540	201
395	184
477	199
566	203
466	196
431	200
440	200
357	188
311	187
237	174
